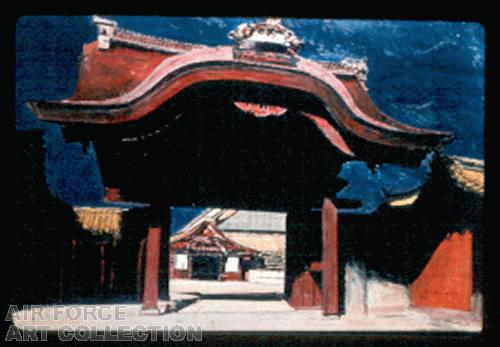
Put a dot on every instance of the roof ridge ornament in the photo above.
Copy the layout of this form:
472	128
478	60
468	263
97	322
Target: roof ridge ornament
358	65
106	29
270	34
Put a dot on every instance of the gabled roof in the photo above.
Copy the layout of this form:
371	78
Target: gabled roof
255	221
207	237
216	215
468	173
101	220
125	76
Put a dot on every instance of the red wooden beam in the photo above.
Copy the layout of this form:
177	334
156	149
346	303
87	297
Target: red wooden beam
150	300
330	263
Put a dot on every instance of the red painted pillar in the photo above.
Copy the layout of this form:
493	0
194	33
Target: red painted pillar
140	260
112	261
330	266
152	271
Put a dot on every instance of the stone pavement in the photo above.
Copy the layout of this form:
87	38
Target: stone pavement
244	306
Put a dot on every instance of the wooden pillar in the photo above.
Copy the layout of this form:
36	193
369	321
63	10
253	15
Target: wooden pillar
140	267
330	263
165	220
112	263
152	272
190	266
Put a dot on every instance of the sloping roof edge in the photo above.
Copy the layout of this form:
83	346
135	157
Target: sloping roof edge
468	173
100	220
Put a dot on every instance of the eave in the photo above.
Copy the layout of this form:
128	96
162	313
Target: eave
148	72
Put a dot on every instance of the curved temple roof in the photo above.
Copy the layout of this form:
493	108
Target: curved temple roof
125	76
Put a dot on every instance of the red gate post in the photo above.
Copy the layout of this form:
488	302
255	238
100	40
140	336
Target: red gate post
330	277
140	268
151	288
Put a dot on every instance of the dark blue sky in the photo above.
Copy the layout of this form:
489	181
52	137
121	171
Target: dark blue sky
428	74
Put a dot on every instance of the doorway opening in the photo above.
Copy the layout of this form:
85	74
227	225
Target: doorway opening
228	260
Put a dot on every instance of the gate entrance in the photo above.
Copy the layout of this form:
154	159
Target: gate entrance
244	126
206	267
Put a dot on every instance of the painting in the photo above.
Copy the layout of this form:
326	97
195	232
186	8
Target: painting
177	176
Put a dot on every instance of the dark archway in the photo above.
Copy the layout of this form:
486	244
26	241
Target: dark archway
163	118
201	149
